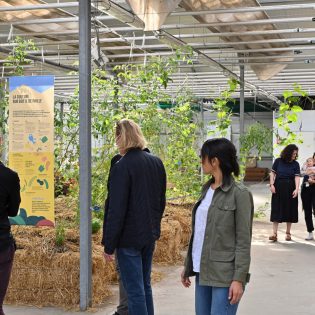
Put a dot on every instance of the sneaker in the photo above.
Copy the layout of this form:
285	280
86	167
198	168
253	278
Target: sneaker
310	237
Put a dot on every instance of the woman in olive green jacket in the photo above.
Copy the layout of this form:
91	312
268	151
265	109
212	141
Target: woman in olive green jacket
219	248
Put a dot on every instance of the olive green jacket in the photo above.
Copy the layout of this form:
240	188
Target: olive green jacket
226	248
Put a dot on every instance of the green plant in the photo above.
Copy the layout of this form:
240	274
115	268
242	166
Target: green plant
135	93
223	111
261	211
288	114
256	140
60	233
96	225
17	58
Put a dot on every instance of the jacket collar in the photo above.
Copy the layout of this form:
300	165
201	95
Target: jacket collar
224	188
228	186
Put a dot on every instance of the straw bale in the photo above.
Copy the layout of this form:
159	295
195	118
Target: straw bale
168	247
182	214
47	275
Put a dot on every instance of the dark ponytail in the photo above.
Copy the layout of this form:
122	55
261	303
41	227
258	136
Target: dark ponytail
225	151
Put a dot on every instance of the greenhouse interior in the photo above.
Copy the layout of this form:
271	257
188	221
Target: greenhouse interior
186	71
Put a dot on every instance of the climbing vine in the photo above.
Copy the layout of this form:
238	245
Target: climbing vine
287	115
223	111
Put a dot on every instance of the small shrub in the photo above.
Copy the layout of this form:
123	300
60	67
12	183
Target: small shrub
60	235
96	225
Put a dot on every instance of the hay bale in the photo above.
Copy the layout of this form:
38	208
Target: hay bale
182	214
168	247
44	275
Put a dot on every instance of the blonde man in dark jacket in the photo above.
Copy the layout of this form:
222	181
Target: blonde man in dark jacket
137	200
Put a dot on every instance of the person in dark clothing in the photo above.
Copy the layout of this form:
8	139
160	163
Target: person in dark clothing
122	308
137	189
308	196
9	205
284	185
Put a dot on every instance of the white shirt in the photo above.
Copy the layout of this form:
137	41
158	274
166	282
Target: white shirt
200	228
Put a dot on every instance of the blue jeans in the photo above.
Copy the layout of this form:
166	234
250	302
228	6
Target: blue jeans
135	271
213	300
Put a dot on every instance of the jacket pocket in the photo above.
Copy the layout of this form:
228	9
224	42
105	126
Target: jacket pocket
223	256
227	207
221	267
225	214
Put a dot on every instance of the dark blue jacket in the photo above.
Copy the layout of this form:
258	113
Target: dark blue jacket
137	187
113	161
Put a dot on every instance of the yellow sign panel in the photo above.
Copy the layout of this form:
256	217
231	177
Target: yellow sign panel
31	147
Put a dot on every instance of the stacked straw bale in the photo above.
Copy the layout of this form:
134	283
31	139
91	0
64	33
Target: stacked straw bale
47	275
44	275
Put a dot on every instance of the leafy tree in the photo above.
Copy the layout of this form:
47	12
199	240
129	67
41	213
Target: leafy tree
256	140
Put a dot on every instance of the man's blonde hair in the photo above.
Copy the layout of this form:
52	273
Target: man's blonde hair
129	135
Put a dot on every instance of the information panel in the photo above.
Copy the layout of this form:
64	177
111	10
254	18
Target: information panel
31	147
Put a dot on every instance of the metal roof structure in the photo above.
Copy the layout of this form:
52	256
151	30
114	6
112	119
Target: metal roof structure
275	37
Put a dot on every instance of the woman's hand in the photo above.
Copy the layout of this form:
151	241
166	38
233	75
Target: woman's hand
272	188
235	292
185	280
295	193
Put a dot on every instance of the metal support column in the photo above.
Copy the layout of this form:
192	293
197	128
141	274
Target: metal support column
242	93
203	135
85	153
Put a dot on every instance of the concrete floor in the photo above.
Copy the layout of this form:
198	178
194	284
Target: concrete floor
282	281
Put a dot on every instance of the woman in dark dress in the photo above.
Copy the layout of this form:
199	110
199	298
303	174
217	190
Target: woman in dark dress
284	185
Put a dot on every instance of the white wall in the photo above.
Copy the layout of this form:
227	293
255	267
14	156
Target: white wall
305	128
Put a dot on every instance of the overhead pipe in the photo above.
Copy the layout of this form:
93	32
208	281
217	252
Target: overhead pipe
121	14
48	62
165	27
180	36
307	61
216	51
161	46
43	6
219	59
71	19
247	22
246	9
223	79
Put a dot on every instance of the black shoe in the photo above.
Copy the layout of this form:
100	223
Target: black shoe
116	313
